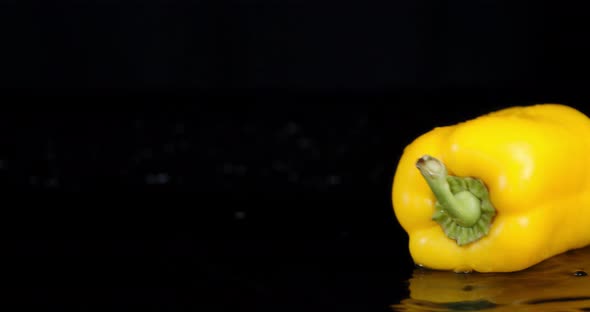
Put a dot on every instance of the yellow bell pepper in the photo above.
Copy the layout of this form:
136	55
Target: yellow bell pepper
497	193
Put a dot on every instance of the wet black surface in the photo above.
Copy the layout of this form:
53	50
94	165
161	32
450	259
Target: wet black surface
260	207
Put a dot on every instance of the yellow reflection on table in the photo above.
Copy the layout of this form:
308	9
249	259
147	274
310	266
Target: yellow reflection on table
560	283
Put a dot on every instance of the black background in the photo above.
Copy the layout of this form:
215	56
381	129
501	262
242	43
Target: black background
238	155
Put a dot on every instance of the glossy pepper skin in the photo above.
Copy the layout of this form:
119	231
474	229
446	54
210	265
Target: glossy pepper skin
534	162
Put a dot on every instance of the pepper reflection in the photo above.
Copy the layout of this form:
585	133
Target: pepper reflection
559	283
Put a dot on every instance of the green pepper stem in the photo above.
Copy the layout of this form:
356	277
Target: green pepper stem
464	207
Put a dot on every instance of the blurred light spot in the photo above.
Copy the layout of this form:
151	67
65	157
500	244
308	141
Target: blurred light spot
334	180
179	128
169	148
291	128
502	182
293	177
240	170
159	178
228	168
523	221
147	153
377	173
239	215
183	145
279	166
52	182
364	120
304	143
342	149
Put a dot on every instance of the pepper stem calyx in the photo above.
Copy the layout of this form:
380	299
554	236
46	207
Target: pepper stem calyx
463	207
